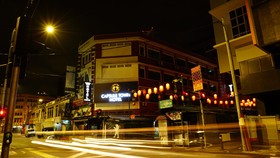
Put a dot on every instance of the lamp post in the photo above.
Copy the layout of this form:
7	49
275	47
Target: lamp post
17	49
241	120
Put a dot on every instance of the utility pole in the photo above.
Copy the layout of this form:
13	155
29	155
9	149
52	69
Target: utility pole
19	49
231	66
7	137
11	50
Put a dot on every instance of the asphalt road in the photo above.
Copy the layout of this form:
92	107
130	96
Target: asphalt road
32	147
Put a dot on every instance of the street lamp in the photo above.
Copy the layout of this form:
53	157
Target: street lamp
49	29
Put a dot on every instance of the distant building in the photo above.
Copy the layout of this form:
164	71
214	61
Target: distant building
253	32
23	107
54	115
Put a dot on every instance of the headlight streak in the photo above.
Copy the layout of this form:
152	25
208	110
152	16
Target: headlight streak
87	145
130	141
131	146
139	148
148	129
95	152
147	151
123	143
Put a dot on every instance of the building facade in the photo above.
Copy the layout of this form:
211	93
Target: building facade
22	113
252	30
54	115
118	74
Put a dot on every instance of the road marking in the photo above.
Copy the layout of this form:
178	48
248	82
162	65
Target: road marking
77	155
40	153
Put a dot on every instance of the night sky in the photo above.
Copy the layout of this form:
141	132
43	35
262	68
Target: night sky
186	24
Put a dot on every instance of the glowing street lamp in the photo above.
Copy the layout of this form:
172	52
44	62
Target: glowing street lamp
49	29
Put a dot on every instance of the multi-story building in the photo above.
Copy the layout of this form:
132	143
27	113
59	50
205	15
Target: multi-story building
23	107
111	68
253	33
53	115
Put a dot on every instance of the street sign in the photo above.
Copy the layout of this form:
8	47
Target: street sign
197	78
167	103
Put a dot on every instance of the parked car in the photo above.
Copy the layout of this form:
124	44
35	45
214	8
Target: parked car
45	133
30	133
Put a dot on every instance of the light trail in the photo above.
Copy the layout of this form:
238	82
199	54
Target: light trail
123	143
219	126
87	145
95	152
147	150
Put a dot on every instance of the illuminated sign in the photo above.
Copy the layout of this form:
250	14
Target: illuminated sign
116	97
167	103
87	91
197	78
114	92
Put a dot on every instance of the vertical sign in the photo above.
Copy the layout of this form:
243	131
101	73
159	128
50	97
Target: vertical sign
87	91
70	79
197	78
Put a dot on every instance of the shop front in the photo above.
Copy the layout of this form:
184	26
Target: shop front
81	112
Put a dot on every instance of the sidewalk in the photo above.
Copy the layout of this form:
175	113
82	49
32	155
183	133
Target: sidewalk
235	147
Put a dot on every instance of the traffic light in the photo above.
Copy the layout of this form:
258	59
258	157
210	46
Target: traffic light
2	113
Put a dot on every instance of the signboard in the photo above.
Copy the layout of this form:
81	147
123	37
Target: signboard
167	103
87	91
114	92
70	79
197	78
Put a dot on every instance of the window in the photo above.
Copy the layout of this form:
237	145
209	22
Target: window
168	78
205	86
57	111
142	50
153	75
142	72
153	54
180	62
191	65
50	112
239	22
19	107
213	88
190	83
167	58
